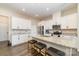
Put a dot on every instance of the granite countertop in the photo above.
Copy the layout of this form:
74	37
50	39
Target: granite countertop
67	41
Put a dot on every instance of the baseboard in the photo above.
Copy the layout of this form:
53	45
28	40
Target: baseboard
4	43
20	44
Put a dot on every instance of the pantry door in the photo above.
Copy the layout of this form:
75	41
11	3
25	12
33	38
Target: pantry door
4	20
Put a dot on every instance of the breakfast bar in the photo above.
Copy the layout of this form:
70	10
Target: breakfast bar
67	44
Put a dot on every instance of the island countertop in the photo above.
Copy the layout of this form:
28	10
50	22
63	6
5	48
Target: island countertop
64	41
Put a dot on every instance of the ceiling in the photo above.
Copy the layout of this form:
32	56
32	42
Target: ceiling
36	10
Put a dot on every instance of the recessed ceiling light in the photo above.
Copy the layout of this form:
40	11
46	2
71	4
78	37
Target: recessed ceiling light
47	9
36	15
23	9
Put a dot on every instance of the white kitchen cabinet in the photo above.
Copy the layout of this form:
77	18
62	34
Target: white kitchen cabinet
15	40
19	30
24	37
15	23
66	22
69	21
18	39
26	24
19	23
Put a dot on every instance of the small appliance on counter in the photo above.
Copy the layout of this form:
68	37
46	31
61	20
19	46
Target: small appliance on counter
56	30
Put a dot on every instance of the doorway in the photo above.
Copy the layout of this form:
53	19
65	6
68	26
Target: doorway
4	30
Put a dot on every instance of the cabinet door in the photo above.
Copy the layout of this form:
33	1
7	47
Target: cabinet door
26	37
27	24
69	21
23	38
19	39
19	23
15	39
16	22
63	23
24	24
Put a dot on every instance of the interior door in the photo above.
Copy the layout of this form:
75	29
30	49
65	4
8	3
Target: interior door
3	28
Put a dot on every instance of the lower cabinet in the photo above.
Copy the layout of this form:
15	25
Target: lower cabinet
23	38
19	39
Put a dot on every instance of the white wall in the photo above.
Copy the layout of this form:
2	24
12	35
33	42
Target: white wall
3	32
3	28
78	21
34	31
77	44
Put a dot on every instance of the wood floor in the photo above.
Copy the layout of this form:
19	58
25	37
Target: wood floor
20	50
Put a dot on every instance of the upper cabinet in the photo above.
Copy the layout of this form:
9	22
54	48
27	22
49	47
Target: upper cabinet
56	18
69	17
69	21
19	23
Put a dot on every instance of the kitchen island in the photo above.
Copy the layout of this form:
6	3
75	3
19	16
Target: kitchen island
66	44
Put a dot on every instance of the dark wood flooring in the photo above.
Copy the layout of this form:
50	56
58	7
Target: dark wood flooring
20	50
